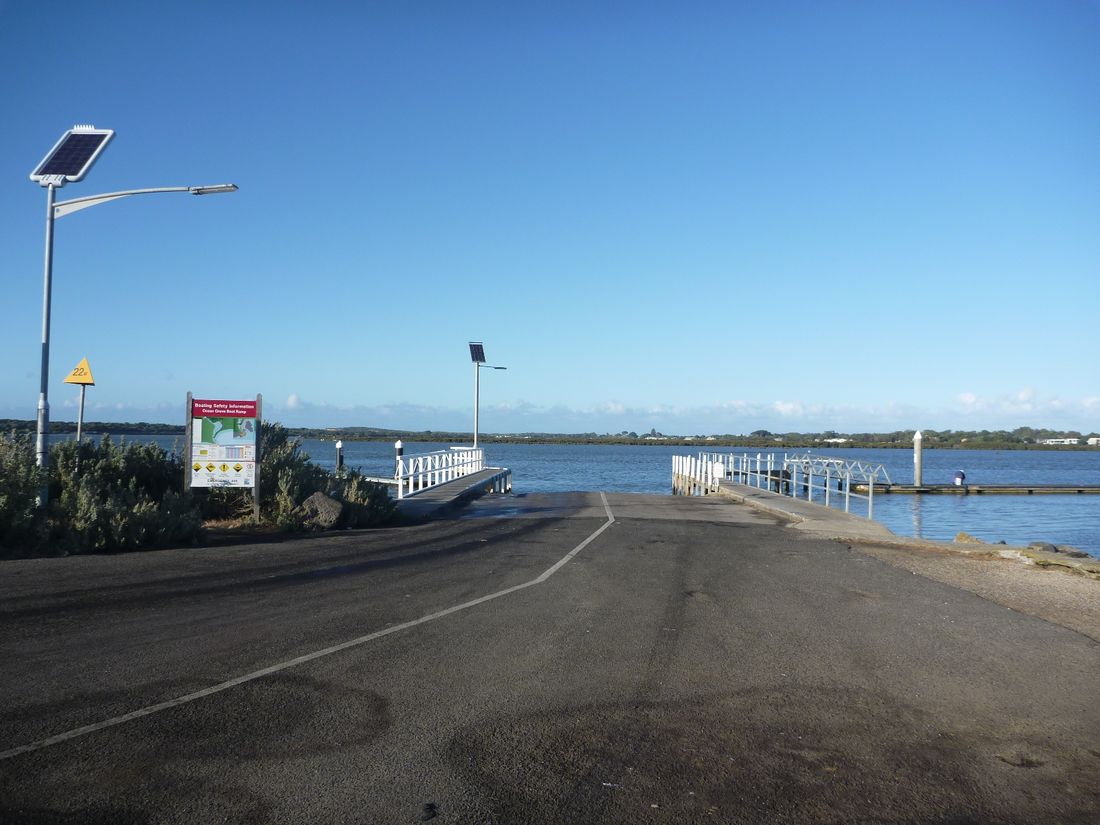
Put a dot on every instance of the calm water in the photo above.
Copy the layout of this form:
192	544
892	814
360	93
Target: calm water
1069	519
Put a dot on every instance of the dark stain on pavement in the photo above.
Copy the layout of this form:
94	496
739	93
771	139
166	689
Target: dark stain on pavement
277	716
84	816
790	754
193	587
283	714
190	754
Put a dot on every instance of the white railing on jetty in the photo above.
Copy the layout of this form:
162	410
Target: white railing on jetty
696	476
416	473
827	481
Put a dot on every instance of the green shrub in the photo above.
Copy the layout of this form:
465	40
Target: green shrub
120	496
369	503
20	479
287	476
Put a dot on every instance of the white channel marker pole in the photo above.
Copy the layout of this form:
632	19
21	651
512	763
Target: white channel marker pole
918	474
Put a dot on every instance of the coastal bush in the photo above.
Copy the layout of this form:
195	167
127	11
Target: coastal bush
368	502
123	496
102	496
287	476
19	484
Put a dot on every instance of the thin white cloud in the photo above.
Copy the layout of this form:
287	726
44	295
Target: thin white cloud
969	410
1025	407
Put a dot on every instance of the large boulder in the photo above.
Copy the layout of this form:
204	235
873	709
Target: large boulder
322	512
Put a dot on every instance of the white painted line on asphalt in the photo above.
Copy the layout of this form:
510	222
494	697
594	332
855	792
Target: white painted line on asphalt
309	657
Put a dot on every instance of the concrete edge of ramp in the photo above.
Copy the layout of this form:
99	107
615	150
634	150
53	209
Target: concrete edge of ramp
827	523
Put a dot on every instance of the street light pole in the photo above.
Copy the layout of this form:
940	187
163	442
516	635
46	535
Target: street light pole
42	447
477	355
477	391
68	162
53	212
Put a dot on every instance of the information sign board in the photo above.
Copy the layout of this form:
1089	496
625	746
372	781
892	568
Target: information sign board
223	443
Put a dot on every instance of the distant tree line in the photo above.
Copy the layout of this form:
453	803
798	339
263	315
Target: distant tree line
1022	438
15	425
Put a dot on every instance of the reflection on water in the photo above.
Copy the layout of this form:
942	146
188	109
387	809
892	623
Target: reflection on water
1013	519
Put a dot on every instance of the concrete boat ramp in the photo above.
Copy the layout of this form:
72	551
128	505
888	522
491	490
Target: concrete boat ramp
556	658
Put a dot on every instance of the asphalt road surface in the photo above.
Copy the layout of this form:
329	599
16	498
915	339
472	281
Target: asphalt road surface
568	658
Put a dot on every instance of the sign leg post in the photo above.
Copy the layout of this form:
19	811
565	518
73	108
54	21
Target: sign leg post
80	415
188	458
259	458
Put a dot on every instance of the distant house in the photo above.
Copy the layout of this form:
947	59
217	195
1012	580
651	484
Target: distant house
836	441
1094	441
1060	441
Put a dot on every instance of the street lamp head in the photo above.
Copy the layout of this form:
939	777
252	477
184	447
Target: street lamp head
215	189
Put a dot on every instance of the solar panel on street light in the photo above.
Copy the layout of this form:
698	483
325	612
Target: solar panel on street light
73	155
477	352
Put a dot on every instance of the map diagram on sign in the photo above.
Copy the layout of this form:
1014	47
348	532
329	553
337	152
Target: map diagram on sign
224	439
228	431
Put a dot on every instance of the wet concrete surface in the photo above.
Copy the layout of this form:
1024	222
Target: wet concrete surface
696	662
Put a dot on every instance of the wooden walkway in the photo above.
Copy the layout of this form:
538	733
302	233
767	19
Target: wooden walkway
438	500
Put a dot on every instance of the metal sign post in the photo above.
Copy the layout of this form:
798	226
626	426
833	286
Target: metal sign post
259	458
82	375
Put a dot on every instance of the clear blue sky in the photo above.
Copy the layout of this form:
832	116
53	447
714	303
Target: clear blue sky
700	217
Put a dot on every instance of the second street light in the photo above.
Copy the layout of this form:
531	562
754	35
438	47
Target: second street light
69	161
477	355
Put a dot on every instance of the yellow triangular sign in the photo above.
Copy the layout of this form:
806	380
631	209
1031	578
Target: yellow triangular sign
81	374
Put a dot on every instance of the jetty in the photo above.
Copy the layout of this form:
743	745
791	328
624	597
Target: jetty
428	485
440	499
985	489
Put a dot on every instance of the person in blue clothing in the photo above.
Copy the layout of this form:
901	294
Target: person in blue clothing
960	478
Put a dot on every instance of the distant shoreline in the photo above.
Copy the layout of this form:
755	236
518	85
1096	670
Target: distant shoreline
932	440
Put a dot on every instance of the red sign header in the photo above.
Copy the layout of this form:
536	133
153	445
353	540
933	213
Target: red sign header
222	409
